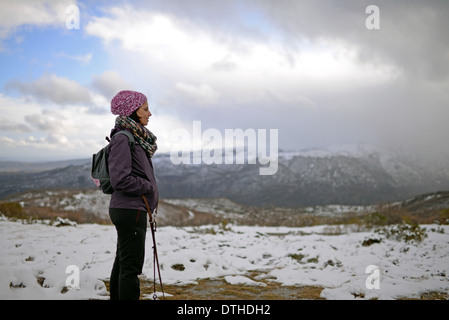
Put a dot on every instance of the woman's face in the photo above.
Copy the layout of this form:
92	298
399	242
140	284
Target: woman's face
144	114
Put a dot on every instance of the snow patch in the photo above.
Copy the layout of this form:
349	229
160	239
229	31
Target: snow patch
34	258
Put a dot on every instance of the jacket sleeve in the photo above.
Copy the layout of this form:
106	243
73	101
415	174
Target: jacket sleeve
120	169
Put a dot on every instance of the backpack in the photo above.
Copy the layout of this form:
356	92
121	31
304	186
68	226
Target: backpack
100	170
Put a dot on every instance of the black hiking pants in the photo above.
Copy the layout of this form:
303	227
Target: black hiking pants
131	226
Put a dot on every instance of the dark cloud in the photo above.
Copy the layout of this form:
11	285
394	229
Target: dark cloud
265	69
412	34
408	111
109	83
64	92
52	88
7	125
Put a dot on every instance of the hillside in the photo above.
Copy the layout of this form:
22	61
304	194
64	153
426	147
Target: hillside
91	206
360	175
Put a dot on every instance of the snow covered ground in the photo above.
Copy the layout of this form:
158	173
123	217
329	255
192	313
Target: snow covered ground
34	259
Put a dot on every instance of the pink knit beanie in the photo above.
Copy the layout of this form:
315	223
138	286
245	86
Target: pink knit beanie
126	102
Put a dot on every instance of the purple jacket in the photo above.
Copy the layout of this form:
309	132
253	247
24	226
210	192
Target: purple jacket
131	175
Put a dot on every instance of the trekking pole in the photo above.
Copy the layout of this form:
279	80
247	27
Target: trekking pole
155	256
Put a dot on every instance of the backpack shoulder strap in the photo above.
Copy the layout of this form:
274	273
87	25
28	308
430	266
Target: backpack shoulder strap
132	141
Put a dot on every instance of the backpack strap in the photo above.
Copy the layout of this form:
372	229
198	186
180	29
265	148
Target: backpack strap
132	141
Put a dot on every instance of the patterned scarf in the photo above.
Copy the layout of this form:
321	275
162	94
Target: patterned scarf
142	135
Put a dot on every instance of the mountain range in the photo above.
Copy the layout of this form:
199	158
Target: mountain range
359	174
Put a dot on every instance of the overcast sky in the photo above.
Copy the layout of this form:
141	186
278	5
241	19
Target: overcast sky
311	69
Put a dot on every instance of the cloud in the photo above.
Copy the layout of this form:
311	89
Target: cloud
82	59
410	36
50	122
19	13
162	38
35	129
226	64
51	87
201	95
61	91
181	51
308	68
109	83
7	125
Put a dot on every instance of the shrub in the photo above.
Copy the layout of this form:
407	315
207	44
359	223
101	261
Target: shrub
297	257
12	210
370	241
444	216
375	219
178	267
404	232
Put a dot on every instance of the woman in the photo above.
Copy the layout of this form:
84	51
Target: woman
131	174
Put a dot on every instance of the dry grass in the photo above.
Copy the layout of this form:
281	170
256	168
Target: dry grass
79	216
28	206
432	295
420	211
219	289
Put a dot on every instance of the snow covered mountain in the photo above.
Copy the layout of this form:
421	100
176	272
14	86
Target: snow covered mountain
354	174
